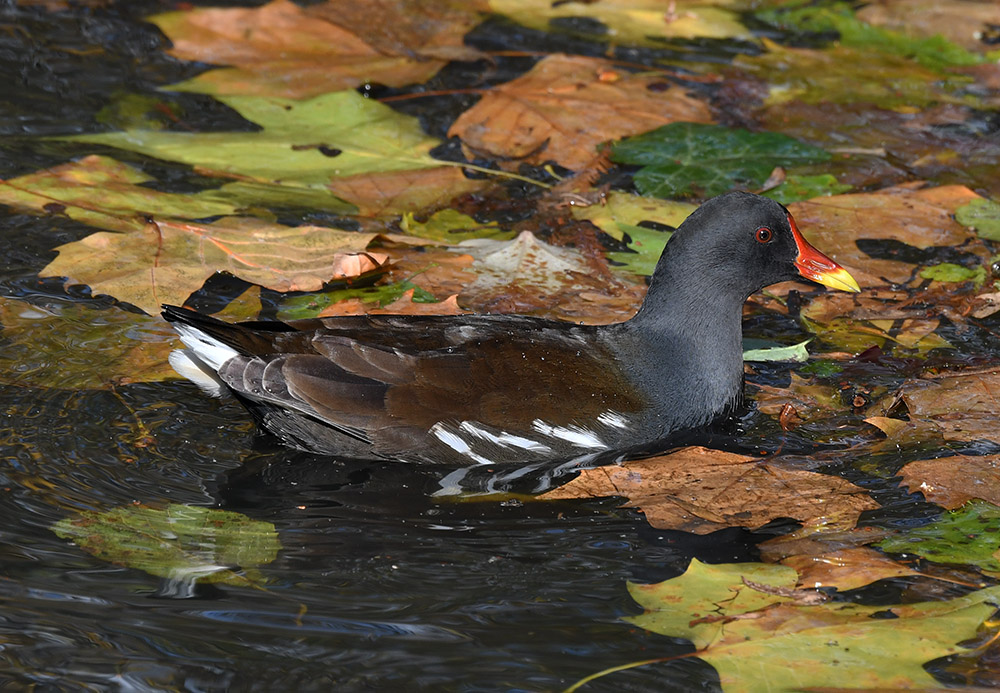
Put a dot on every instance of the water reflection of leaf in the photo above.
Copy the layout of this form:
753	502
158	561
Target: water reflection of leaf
180	542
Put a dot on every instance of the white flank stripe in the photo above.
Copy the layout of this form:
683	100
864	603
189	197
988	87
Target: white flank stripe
574	435
504	439
611	418
456	443
187	367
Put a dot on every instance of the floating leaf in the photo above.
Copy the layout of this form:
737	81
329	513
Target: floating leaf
950	272
796	353
311	305
72	346
743	621
967	536
961	407
982	215
846	569
304	143
700	490
710	159
283	50
566	106
643	22
451	226
953	481
963	22
795	188
180	542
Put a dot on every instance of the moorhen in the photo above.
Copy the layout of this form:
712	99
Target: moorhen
492	389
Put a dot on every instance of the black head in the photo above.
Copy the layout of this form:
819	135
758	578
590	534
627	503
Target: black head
738	243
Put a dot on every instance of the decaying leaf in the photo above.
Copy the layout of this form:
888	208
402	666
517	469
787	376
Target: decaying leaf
969	535
846	569
808	399
565	106
959	407
281	49
644	22
71	346
169	260
180	542
759	640
700	490
953	481
398	192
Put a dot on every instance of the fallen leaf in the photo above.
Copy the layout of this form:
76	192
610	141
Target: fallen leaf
953	481
398	192
72	346
169	260
566	106
919	218
642	22
709	159
755	639
959	407
283	50
969	535
983	216
451	226
180	542
700	490
808	399
302	143
846	569
962	21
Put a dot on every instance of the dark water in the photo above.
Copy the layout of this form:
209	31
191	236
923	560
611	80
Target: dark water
379	584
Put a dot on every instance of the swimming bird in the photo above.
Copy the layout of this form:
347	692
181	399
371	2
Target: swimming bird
493	389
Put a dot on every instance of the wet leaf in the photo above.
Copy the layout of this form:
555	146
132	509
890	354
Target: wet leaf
180	542
169	260
642	22
967	536
961	407
953	481
302	143
700	490
759	640
396	192
451	226
918	218
982	215
795	353
566	106
846	74
366	299
710	159
795	188
846	569
950	272
963	22
71	346
283	50
809	399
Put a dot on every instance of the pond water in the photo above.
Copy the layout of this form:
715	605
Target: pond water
378	584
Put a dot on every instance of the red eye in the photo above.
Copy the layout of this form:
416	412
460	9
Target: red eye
764	235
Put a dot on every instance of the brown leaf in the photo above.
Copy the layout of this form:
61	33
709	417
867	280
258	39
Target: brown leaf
395	192
921	218
960	407
700	490
169	260
565	106
846	569
961	21
280	49
441	272
807	399
953	481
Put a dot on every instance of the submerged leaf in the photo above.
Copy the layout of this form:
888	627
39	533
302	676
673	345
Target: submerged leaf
180	542
710	159
982	215
953	481
967	536
745	622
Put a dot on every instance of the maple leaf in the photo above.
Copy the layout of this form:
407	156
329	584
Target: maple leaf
565	106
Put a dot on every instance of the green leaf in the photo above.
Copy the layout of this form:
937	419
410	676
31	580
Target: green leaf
710	159
822	369
950	272
451	226
969	535
178	542
646	246
983	215
302	143
760	638
795	188
795	353
936	52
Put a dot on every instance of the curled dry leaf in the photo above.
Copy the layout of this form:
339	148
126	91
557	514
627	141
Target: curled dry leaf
700	490
951	482
566	106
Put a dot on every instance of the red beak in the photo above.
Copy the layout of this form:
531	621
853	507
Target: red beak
816	266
